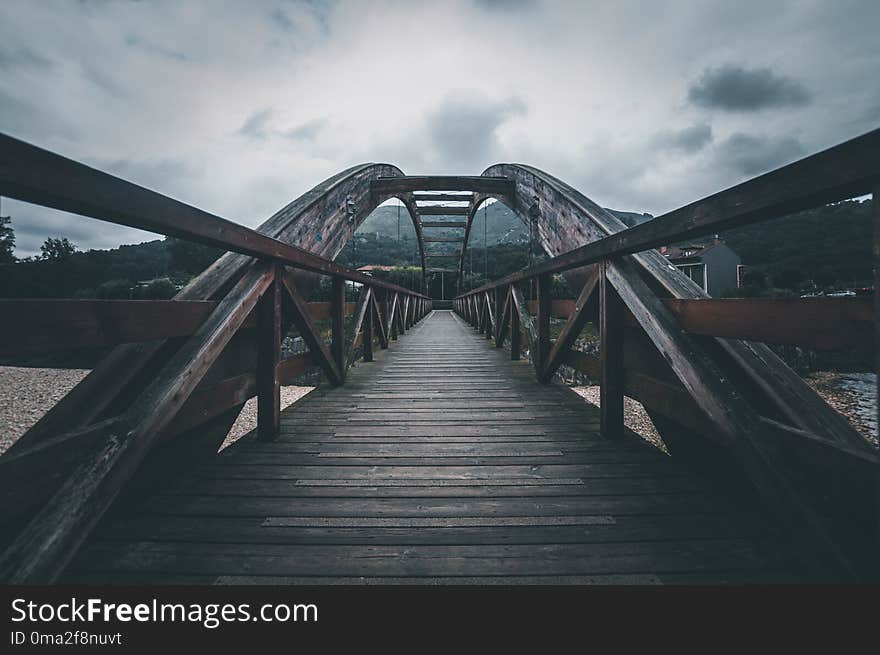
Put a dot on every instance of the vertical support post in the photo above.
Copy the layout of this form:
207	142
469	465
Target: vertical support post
499	319
875	208
394	309
515	334
543	322
383	303
268	356
367	332
610	357
337	323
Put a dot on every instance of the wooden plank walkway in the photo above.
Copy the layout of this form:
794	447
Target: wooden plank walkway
440	462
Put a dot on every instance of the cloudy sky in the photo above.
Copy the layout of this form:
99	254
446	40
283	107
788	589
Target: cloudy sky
238	107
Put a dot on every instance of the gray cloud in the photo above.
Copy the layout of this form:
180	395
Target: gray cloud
256	126
734	88
689	139
750	155
22	57
135	41
234	129
495	5
307	131
463	126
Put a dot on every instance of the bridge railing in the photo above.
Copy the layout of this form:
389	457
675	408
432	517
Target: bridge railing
59	479
665	351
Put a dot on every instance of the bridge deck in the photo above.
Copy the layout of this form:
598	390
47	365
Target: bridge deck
443	461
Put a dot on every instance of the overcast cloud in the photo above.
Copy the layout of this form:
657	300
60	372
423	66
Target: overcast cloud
239	107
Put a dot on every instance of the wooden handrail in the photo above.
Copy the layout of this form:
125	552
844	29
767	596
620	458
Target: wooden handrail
838	173
38	176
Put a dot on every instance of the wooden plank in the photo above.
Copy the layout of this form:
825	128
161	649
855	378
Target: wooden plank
825	323
442	197
41	551
406	183
268	356
48	325
209	401
455	224
30	476
611	357
442	239
437	210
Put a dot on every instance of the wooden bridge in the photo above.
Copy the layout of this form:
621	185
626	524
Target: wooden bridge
440	449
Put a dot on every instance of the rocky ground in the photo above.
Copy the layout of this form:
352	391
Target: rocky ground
247	420
28	393
634	416
852	394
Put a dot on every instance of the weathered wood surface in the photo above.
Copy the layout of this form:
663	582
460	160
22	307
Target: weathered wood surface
442	461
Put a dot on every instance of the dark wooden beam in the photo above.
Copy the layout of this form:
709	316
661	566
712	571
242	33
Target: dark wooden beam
41	551
442	197
577	319
611	357
303	322
337	325
379	309
48	325
525	318
515	330
268	356
443	240
841	172
875	207
477	183
44	178
455	224
369	318
505	313
542	319
437	210
360	321
823	323
737	426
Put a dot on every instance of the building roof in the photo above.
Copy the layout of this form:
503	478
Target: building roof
689	251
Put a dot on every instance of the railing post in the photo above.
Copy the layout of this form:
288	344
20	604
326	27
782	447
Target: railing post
543	320
610	357
383	318
499	319
875	207
367	332
337	324
268	356
515	332
394	309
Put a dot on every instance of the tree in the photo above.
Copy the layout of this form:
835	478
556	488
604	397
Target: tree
7	241
57	250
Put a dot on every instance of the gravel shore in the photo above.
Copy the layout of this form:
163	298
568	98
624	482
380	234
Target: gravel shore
28	393
634	416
